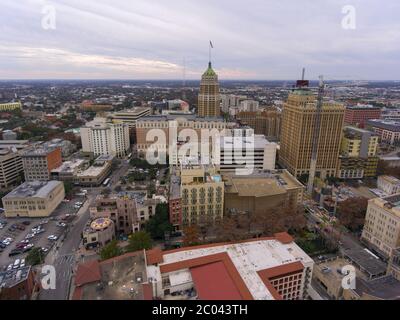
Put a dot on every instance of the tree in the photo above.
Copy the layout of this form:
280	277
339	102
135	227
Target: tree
351	212
35	256
110	250
191	236
68	186
159	223
138	241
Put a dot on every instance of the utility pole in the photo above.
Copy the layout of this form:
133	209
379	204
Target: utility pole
315	138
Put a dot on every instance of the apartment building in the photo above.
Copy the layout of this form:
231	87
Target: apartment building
266	121
297	132
102	137
358	154
261	191
39	160
34	199
381	230
269	268
11	168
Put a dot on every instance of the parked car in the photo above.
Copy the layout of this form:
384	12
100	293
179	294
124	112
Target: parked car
16	264
52	237
27	223
10	266
22	264
14	252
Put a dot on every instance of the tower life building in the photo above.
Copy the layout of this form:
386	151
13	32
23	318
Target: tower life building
297	127
209	100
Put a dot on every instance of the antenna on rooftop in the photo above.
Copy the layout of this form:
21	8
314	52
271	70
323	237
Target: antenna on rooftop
184	80
303	73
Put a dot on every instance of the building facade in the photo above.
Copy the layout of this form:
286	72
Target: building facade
11	168
100	232
102	137
10	106
209	100
298	122
388	131
358	115
39	160
34	199
390	185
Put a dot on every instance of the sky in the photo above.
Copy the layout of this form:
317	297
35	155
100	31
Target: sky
159	39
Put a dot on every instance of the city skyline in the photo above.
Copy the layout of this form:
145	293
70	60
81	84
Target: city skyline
143	41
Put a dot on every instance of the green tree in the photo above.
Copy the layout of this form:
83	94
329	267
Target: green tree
35	256
159	223
110	250
139	241
68	186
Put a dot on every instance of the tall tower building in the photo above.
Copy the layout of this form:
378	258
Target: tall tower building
298	121
209	101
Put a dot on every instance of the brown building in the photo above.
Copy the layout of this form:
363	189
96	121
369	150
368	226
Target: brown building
261	191
359	114
209	101
298	122
17	284
266	122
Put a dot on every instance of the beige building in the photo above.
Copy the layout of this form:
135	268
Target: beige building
209	100
11	168
130	116
102	137
10	106
390	185
99	232
262	191
95	174
201	193
381	230
298	122
34	199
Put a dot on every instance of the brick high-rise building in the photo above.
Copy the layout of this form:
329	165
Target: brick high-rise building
209	100
297	128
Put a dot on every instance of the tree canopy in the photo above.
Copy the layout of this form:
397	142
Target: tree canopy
351	212
159	223
138	241
110	250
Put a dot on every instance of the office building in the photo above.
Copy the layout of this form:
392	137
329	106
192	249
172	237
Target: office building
209	100
266	121
388	184
387	130
261	192
34	199
130	116
11	168
358	115
381	230
39	160
270	268
358	154
297	131
243	153
10	106
102	137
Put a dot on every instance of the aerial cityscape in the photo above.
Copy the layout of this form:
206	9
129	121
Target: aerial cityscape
147	171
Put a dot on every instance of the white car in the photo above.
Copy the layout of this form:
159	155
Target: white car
22	264
10	266
52	237
45	249
9	239
29	236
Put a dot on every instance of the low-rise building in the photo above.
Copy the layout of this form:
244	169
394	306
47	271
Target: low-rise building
388	131
381	230
390	185
270	268
17	284
34	199
98	233
384	288
69	170
96	173
11	168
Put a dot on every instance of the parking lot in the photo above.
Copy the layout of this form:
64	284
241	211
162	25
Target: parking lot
22	229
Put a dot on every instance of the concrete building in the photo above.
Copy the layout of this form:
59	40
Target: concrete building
10	106
96	173
388	131
199	190
384	288
358	154
69	170
67	147
130	116
11	168
297	131
128	210
249	105
102	137
388	184
270	268
99	232
266	121
9	135
229	101
262	191
244	153
358	115
34	199
39	160
394	264
381	230
209	100
14	144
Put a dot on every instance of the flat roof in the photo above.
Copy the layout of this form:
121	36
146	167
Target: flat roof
366	262
386	288
36	189
390	125
69	166
8	279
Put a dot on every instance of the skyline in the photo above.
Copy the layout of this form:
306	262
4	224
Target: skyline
262	41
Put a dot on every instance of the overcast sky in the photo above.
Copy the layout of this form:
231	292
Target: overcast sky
150	39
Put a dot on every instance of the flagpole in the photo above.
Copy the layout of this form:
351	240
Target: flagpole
209	52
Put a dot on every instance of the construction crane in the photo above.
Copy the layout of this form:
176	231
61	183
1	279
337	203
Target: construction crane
315	137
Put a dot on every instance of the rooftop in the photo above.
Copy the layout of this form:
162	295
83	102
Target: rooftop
40	150
384	124
386	288
8	279
366	262
69	166
37	189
